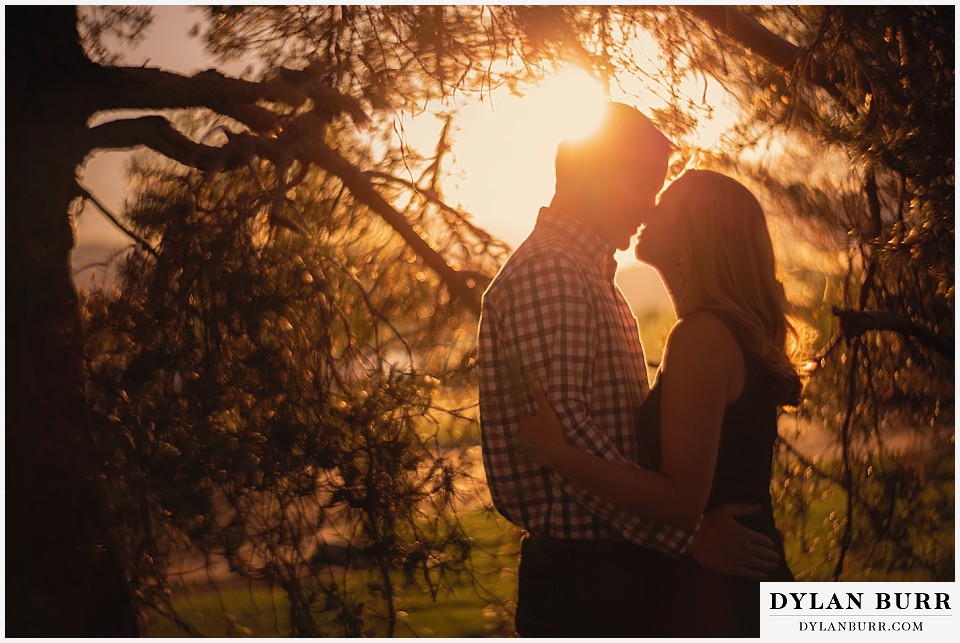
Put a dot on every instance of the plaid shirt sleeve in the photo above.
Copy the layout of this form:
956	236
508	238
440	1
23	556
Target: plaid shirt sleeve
553	329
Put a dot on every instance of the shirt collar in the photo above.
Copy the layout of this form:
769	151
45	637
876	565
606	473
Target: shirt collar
582	239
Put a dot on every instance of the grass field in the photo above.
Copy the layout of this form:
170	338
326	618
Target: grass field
467	611
240	609
482	609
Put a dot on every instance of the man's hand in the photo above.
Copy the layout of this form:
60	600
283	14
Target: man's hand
541	435
724	545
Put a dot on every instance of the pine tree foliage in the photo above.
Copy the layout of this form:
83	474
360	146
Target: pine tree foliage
270	389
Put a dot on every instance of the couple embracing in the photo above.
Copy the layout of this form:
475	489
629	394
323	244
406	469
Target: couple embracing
647	510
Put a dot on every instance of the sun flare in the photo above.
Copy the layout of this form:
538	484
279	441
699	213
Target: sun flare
504	148
502	168
570	104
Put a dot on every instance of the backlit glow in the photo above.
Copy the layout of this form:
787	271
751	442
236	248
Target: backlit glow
570	104
504	149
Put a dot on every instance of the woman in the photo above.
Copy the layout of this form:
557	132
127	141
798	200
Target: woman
712	413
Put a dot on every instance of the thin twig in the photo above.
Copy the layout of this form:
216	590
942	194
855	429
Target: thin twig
85	193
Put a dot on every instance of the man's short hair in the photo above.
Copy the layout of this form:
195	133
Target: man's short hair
624	136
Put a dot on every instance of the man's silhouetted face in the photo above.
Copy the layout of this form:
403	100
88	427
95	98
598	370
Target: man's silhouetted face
623	196
611	179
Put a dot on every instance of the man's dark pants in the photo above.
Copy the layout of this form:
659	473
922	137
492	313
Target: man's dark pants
583	588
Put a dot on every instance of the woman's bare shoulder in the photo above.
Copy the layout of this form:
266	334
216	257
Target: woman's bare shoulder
701	336
700	327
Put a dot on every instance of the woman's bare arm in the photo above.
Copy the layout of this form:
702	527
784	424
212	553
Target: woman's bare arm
702	368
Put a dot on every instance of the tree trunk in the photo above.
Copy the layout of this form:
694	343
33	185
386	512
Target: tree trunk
63	576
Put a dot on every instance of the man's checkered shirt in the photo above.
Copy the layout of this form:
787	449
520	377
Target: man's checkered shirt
554	314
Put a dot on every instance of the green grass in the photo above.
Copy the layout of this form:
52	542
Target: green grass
465	611
262	613
814	558
228	612
818	561
470	611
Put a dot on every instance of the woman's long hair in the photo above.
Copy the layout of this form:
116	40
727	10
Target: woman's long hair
734	269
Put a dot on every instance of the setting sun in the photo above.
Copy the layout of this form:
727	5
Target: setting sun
504	149
570	104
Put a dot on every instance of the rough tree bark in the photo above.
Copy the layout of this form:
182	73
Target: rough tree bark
64	578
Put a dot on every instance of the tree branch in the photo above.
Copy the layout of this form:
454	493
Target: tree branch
745	30
464	285
303	140
158	134
151	88
748	32
855	323
85	193
431	196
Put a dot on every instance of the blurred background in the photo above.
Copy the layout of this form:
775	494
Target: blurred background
261	345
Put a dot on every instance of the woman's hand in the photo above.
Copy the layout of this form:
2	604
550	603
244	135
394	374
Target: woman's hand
541	435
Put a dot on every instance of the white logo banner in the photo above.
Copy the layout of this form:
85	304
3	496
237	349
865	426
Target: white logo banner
857	611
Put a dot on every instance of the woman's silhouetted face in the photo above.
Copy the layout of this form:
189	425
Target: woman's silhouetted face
660	241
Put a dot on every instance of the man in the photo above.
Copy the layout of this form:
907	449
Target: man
554	314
